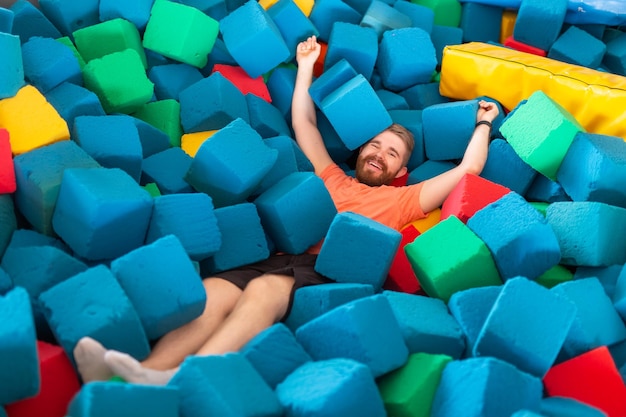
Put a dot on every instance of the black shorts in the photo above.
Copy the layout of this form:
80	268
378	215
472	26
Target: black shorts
301	267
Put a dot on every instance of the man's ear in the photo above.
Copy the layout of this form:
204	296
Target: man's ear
402	171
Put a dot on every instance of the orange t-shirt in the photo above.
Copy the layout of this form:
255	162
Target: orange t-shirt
392	206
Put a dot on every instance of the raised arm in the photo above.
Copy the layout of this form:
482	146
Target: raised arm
435	190
303	118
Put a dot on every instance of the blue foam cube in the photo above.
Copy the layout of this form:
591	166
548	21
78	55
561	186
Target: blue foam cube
538	23
615	55
169	80
162	284
243	239
6	283
421	16
293	25
296	212
253	39
224	385
275	353
578	47
6	20
70	15
71	100
429	169
594	169
607	275
265	118
286	162
444	141
346	257
563	407
226	173
167	169
94	304
137	12
48	63
19	363
544	189
326	12
332	388
485	387
594	239
442	36
331	79
280	84
392	101
356	112
382	16
481	22
423	95
113	141
412	120
38	175
526	327
29	21
227	103
426	324
398	64
8	221
153	140
101	213
12	67
358	45
365	330
520	239
191	219
100	399
506	168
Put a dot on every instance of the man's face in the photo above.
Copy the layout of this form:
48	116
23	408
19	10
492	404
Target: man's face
381	160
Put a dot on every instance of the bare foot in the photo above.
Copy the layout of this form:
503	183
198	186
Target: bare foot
132	371
89	357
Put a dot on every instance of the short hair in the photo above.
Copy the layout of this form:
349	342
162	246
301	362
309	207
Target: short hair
406	136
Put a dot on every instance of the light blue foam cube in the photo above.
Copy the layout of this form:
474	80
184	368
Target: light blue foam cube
444	141
539	23
12	66
167	169
70	15
292	23
326	12
48	63
357	44
506	168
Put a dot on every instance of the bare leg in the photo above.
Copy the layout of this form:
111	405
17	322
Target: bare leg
175	346
263	302
89	357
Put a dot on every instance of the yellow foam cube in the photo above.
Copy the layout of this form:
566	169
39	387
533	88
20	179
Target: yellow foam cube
508	24
427	222
31	121
191	142
305	5
266	4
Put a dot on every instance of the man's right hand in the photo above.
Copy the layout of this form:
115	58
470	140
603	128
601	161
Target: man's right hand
308	51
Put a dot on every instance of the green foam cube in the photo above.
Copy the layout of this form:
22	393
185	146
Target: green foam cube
165	116
541	131
120	81
65	40
409	391
115	35
180	32
447	12
449	257
554	276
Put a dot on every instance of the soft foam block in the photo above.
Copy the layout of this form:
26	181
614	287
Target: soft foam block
153	140
168	169
12	68
346	257
6	284
223	171
293	24
224	385
17	113
38	175
48	63
113	141
101	213
29	21
356	112
533	14
399	66
382	17
165	116
110	36
275	353
243	239
520	239
486	387
564	406
296	212
443	140
541	132
591	378
471	308
544	190
334	387
72	100
526	327
365	330
578	47
280	84
331	79
442	36
70	15
312	301
596	238
180	32
19	362
410	390
8	221
94	304
170	79
426	324
481	22
162	284
401	276
593	169
449	257
357	44
227	104
265	118
137	12
506	168
597	322
471	194
286	162
189	217
100	398
253	39
119	80
7	170
421	96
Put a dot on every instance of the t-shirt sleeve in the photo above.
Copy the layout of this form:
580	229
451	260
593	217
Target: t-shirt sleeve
409	202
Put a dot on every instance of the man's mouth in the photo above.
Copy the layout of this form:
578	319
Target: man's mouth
375	165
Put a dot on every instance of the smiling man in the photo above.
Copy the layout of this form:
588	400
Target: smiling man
245	301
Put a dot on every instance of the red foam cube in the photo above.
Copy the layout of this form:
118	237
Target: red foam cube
471	194
591	378
59	384
401	276
522	47
7	170
243	81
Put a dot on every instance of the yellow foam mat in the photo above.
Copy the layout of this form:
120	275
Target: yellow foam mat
596	99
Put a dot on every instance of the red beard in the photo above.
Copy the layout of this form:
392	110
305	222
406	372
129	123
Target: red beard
372	178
